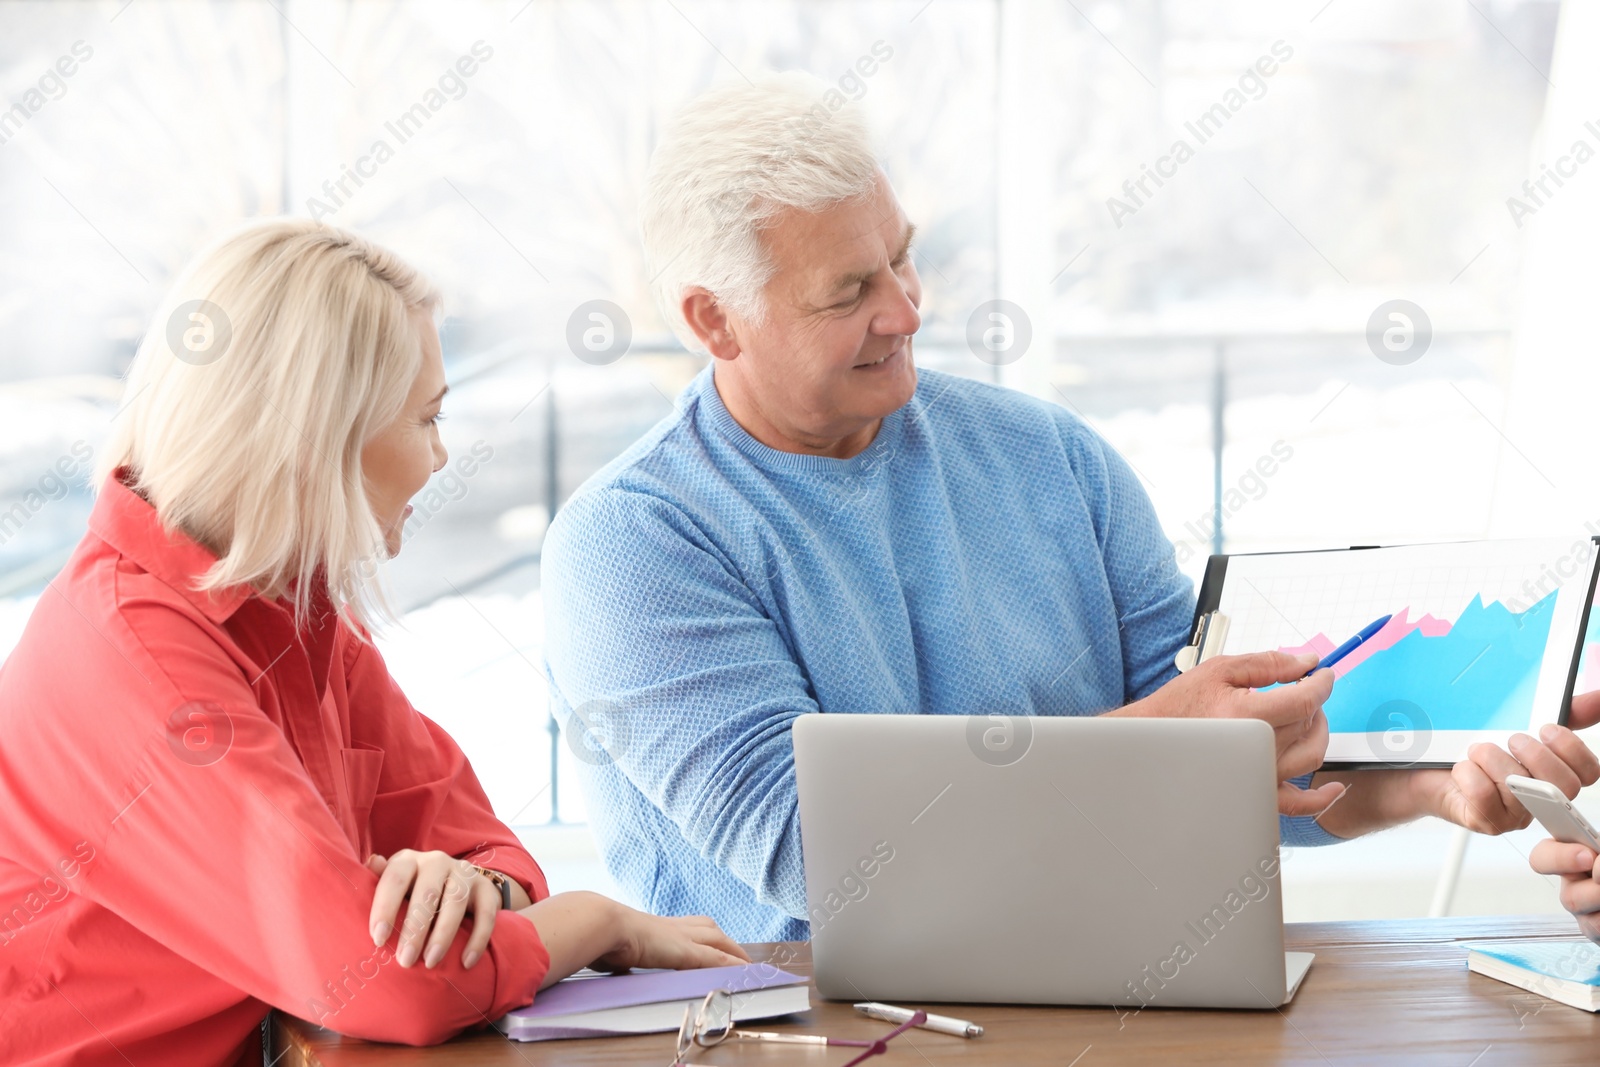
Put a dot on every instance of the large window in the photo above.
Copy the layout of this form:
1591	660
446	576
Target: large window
1202	215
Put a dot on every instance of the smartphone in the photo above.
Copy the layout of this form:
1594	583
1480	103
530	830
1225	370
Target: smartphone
1554	811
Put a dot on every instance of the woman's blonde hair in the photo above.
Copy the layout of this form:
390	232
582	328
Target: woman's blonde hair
280	351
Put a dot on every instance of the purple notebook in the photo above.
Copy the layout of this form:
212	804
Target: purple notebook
652	1001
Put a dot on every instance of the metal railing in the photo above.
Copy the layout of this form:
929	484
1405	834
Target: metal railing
1218	372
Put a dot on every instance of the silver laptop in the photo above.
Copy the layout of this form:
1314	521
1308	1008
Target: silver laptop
1004	859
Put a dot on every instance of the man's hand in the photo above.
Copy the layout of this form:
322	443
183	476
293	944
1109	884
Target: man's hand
1473	793
1579	869
1225	687
1585	710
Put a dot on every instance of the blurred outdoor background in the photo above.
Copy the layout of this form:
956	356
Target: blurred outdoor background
1234	310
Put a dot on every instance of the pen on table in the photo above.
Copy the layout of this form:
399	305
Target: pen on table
1351	645
942	1023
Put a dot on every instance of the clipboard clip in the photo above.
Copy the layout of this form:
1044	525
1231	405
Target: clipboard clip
1210	634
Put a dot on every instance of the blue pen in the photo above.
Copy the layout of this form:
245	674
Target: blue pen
1351	645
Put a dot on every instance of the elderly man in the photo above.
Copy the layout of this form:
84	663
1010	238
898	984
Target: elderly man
819	527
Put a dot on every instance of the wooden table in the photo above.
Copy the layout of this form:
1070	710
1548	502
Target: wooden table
1379	992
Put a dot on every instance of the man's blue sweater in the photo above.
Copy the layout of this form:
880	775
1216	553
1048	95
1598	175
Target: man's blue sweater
988	553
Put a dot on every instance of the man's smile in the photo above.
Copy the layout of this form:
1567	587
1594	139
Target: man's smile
886	359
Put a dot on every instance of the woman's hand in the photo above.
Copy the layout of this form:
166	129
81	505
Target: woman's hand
680	943
580	929
1579	869
443	890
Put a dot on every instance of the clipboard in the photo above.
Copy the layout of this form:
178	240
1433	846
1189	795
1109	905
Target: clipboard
1449	670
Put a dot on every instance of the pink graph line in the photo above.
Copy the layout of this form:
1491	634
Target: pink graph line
1388	637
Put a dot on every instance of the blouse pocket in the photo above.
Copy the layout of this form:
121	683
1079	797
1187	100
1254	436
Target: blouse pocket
361	767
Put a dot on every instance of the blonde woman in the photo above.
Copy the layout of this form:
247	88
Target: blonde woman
216	799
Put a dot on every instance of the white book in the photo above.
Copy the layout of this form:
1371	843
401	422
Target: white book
1566	970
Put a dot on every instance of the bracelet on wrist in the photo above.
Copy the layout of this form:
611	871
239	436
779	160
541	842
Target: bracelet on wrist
502	883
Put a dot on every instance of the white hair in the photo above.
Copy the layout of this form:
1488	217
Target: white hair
734	158
246	414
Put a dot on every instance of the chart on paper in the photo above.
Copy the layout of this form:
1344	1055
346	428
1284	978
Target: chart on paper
1481	634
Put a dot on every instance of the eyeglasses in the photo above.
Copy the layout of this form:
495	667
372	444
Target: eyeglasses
712	1024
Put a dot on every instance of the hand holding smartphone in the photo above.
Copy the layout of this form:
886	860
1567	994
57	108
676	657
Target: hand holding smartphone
1554	811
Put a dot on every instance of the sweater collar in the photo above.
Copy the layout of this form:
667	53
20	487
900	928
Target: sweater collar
717	415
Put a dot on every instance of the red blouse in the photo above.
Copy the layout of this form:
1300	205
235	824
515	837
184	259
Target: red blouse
189	788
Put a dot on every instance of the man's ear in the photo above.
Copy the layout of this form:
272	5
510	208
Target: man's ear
709	321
